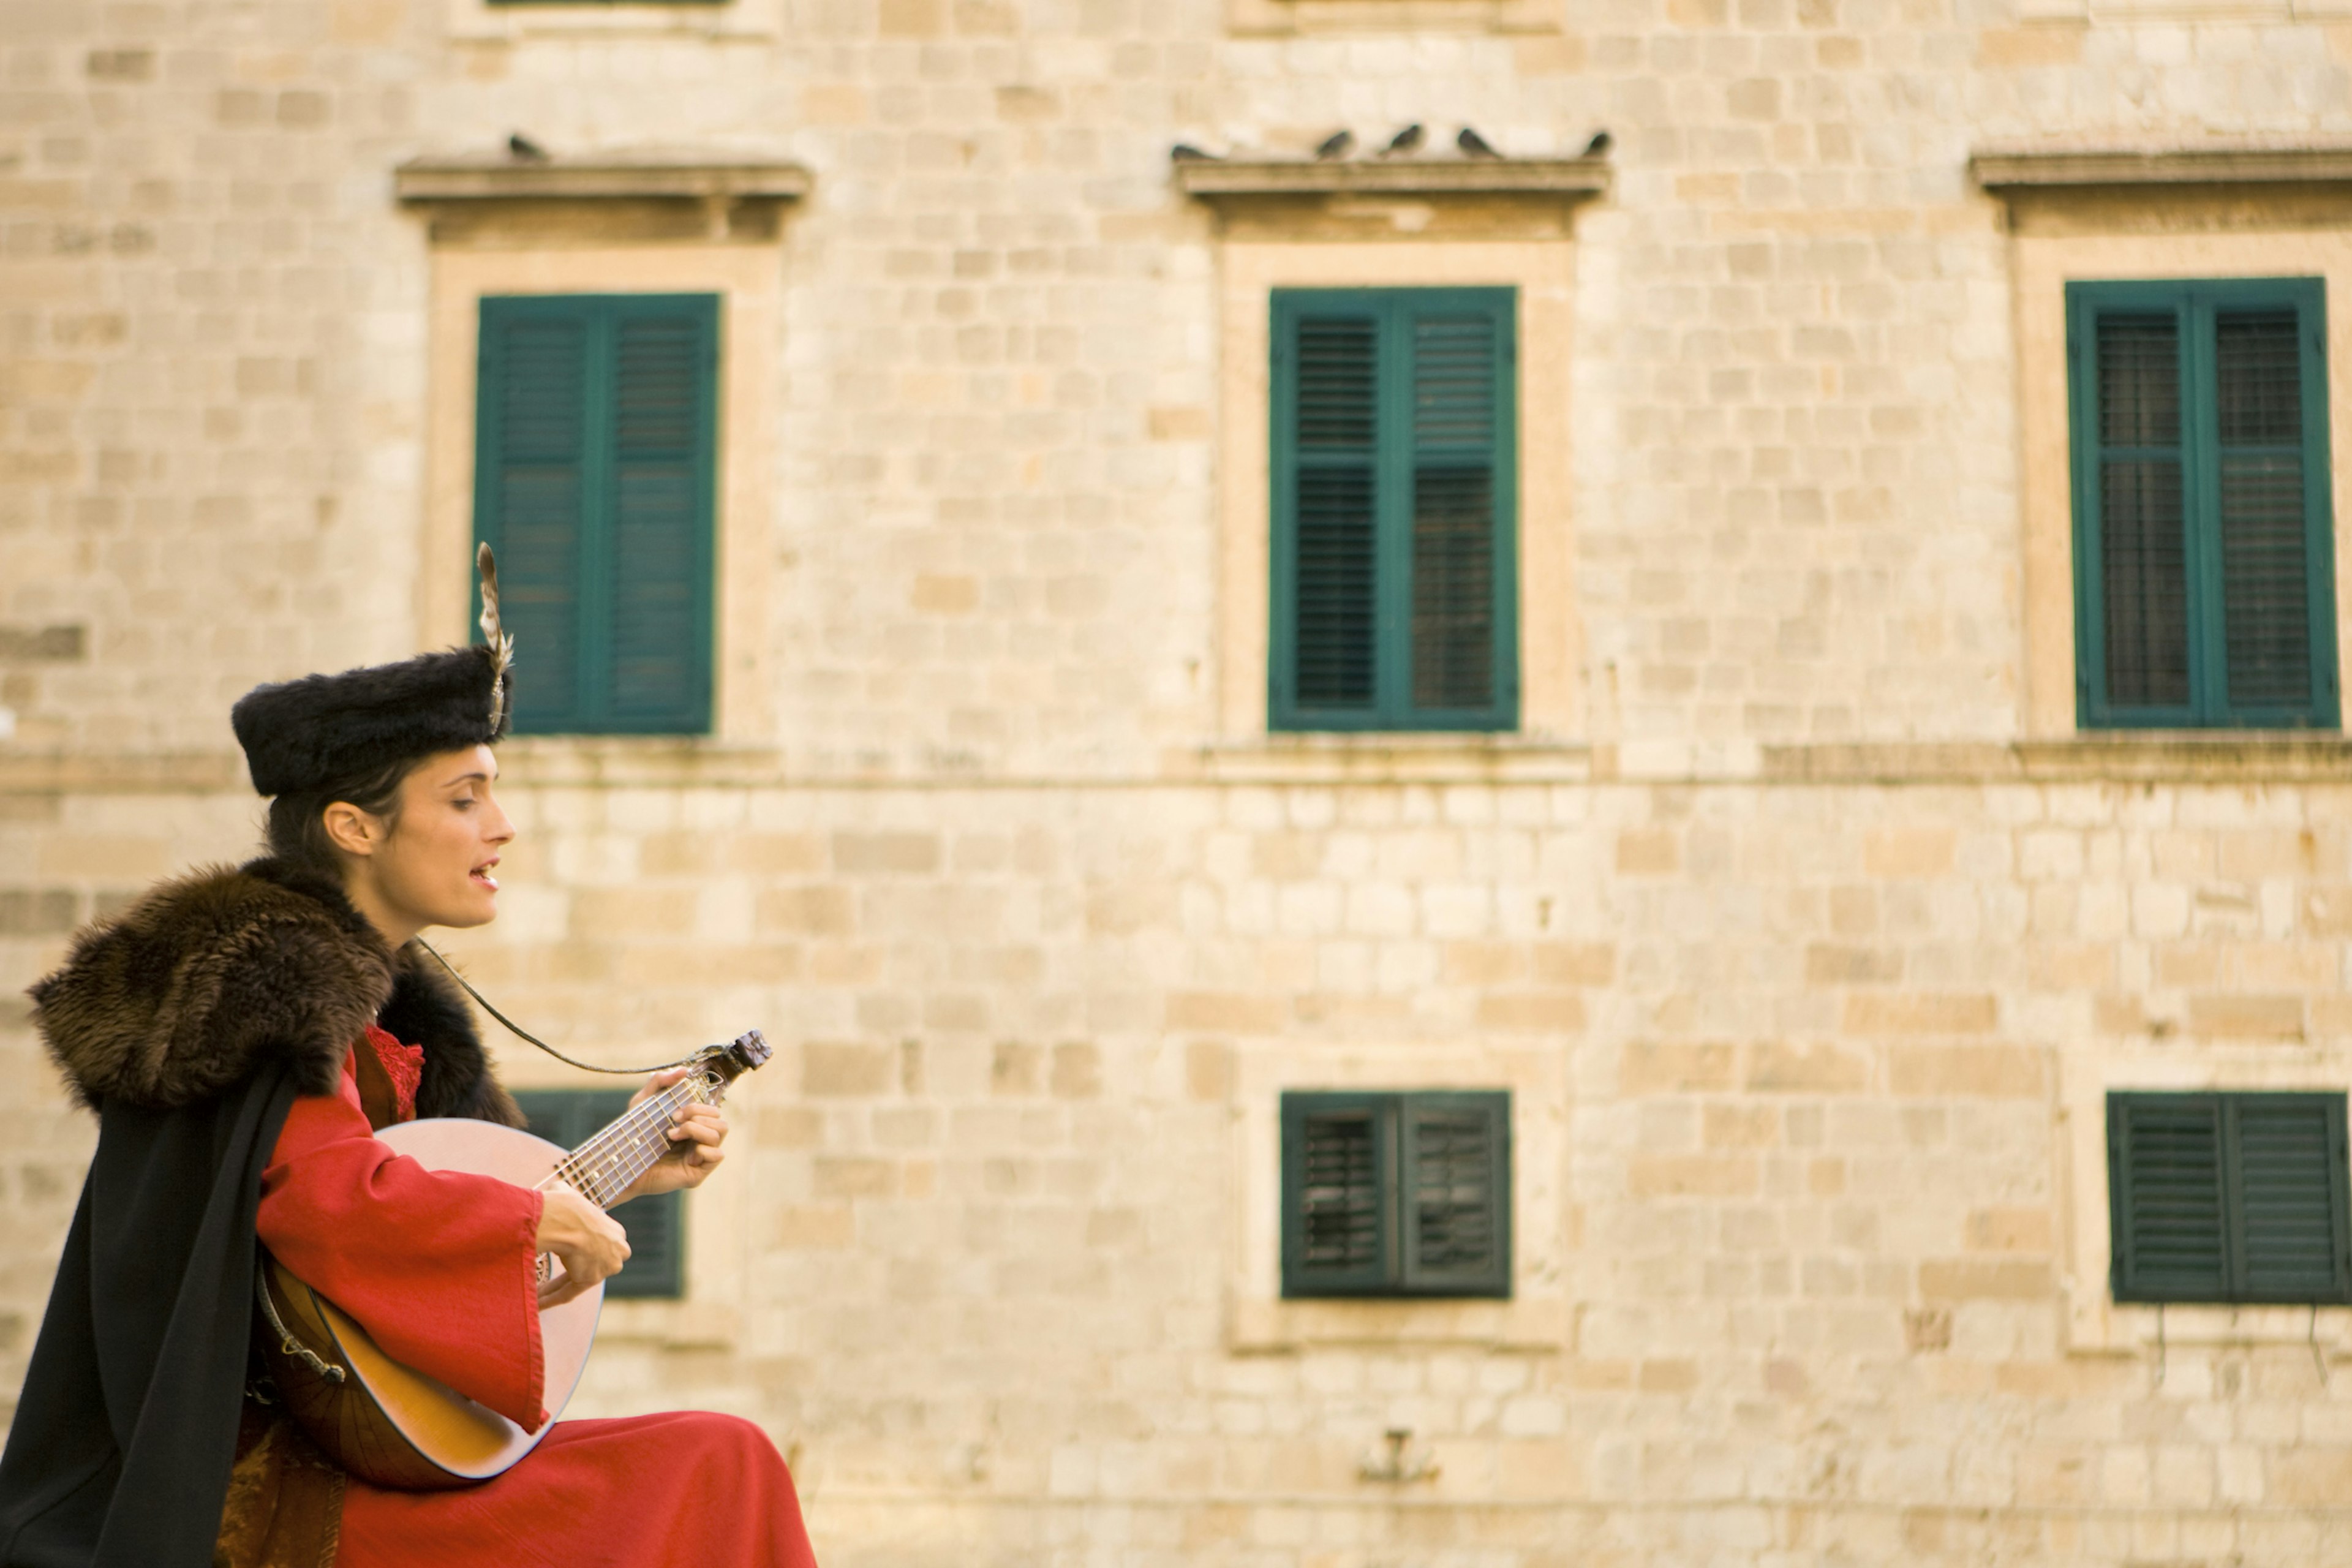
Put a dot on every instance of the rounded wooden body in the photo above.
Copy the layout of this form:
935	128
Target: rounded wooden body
388	1424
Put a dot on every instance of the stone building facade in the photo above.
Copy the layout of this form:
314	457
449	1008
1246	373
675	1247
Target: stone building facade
1804	919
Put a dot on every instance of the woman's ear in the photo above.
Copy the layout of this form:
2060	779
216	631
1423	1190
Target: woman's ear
352	830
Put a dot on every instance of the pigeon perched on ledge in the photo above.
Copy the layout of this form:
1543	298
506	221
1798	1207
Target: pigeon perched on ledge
1474	145
522	148
1598	145
1335	145
1405	140
1185	153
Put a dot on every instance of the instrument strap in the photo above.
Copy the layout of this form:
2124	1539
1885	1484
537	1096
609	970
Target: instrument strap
521	1033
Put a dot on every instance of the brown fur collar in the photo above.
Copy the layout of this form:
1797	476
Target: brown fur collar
213	975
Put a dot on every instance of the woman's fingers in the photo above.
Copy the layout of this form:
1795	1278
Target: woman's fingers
659	1081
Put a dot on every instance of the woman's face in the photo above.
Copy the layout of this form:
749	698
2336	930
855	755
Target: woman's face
436	865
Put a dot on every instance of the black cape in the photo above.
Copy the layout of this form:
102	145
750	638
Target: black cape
190	1024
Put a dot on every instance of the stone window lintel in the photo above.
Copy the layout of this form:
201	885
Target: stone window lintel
2003	171
1525	179
649	196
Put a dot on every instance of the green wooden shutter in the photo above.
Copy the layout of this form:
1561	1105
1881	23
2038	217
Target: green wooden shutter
596	484
1338	1164
2262	505
657	1224
1457	665
2143	522
533	486
2165	1197
1335	452
2229	1198
1396	1194
1456	1161
2290	1176
1395	505
2204	588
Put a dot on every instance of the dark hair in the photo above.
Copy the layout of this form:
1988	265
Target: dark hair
298	828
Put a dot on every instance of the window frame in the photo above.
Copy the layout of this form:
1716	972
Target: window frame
1395	1273
2126	1283
2194	302
603	311
585	1111
1392	307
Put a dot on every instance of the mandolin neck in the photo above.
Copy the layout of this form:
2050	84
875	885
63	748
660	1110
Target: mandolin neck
608	1164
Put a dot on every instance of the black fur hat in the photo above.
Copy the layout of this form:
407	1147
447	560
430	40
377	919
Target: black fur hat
305	734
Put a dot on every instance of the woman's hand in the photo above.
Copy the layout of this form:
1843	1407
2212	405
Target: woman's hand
695	1135
588	1242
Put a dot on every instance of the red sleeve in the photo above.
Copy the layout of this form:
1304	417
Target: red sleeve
438	1266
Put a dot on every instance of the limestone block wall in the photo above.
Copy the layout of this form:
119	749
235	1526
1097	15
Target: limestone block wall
1807	975
981	1260
995	402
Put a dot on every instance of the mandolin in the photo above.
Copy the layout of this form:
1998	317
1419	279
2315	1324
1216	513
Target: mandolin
393	1427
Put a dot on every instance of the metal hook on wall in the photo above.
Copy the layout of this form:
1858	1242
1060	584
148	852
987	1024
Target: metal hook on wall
1394	1467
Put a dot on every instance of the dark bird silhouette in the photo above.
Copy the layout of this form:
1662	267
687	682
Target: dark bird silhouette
1185	153
1335	145
1404	142
1474	145
520	146
1598	145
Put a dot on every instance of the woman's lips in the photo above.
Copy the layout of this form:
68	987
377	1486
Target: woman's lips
482	874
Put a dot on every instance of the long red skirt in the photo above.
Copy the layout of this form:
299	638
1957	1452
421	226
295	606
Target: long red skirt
692	1489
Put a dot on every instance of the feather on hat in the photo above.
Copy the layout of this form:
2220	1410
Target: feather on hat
305	734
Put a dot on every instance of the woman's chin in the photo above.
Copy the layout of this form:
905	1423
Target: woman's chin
479	908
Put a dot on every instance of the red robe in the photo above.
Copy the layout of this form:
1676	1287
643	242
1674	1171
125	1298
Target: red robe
440	1268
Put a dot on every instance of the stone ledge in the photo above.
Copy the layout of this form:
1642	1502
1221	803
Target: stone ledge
587	761
1544	1325
2001	171
1384	758
645	175
121	772
1543	179
2118	757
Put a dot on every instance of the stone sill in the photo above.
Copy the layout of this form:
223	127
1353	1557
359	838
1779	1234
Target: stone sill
644	176
638	762
1282	1327
688	762
2134	1329
493	22
2000	171
670	1325
1546	179
121	772
2118	756
1386	757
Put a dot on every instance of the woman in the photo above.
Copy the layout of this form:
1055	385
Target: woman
242	1033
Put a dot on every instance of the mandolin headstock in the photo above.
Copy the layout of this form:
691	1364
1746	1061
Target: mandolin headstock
728	1062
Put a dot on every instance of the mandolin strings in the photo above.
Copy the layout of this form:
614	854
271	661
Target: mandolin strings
606	1165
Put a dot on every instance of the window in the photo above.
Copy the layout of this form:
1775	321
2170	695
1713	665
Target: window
2204	581
1396	1194
593	483
1394	507
2227	1198
657	1224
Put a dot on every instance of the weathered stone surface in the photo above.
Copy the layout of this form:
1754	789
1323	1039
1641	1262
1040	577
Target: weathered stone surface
1829	939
